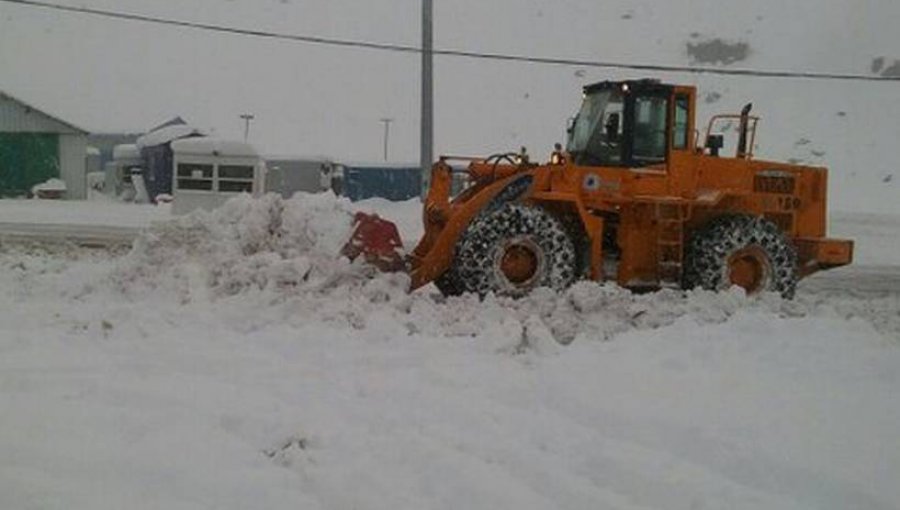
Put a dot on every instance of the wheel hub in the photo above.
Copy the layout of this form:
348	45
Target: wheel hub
519	261
750	269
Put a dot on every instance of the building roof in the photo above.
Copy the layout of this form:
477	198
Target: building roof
176	121
206	146
645	84
166	135
29	109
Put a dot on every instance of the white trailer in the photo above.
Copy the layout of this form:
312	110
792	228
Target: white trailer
208	171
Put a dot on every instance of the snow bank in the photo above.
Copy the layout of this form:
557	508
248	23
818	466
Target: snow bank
283	255
267	243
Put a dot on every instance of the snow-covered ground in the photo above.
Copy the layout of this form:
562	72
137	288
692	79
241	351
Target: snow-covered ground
108	213
92	222
232	361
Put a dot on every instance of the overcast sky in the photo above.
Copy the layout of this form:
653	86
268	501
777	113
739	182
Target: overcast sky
112	75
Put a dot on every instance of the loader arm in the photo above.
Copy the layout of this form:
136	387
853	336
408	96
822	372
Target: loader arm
446	221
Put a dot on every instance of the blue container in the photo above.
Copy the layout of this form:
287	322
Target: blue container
370	181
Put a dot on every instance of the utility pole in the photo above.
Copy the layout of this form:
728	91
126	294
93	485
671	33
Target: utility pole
247	118
387	132
426	146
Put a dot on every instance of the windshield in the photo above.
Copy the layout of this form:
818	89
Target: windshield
595	135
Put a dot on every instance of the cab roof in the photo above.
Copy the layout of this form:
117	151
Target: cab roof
642	85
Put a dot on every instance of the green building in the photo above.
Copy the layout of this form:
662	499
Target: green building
36	146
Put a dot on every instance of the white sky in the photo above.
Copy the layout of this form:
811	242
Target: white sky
109	75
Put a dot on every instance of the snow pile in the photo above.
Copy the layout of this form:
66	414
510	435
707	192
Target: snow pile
50	185
266	243
282	256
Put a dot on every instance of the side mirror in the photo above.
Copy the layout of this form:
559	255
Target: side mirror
715	143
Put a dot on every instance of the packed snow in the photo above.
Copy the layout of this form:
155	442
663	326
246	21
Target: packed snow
80	212
231	359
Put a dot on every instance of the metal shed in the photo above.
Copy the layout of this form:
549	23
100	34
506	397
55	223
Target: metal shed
393	182
36	146
288	175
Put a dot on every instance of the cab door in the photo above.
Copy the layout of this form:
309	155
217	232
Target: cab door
649	126
682	143
647	149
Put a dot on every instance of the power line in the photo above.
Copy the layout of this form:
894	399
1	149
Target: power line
216	28
450	52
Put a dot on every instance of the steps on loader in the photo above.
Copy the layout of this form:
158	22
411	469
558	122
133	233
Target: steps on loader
670	220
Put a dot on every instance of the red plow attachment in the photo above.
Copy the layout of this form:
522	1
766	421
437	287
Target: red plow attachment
377	240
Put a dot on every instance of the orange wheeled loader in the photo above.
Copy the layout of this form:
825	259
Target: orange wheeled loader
633	198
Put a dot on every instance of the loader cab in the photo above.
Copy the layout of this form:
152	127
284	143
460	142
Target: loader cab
633	124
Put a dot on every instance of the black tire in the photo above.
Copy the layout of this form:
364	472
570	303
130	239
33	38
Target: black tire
527	239
741	250
448	283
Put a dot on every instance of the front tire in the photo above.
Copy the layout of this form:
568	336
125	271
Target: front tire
513	250
448	283
750	252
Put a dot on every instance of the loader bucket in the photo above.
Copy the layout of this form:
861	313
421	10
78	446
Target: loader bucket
377	240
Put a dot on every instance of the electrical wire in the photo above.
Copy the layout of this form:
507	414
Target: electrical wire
451	52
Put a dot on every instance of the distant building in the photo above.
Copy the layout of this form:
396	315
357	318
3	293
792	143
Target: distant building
36	146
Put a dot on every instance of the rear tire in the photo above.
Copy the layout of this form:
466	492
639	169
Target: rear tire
747	251
513	250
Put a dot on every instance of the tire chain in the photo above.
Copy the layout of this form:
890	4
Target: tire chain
709	249
474	260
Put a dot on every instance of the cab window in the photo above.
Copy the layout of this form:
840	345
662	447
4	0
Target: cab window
649	130
680	126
